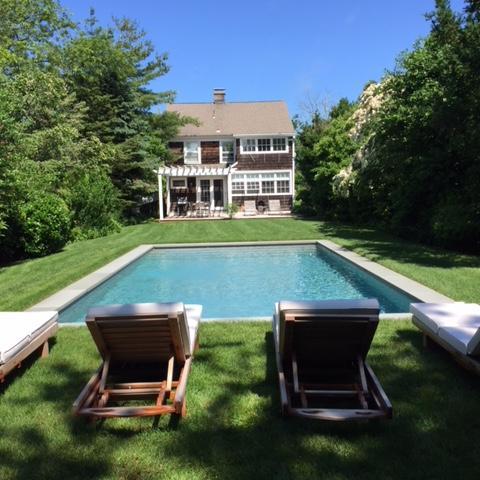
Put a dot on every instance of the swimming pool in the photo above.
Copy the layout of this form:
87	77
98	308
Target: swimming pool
238	282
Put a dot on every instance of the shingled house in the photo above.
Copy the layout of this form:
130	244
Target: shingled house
238	151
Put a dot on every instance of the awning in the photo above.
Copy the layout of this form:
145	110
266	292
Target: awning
192	171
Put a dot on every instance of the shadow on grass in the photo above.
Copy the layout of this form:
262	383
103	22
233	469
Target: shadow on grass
234	428
381	245
17	373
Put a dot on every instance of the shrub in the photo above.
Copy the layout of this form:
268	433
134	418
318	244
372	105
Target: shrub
94	203
45	224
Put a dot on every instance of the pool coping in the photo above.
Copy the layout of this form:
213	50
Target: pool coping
68	295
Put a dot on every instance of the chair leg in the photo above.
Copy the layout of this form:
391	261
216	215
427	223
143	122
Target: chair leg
45	350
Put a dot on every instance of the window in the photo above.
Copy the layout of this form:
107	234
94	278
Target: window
279	144
253	188
179	183
275	144
268	183
263	144
227	151
283	186
205	191
238	188
191	153
248	145
268	186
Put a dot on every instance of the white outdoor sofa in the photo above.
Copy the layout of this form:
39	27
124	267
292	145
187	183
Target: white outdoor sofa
21	333
454	326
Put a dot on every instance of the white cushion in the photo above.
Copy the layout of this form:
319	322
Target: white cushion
193	314
437	315
18	329
458	337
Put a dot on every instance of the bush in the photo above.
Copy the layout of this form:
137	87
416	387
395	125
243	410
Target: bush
45	224
94	203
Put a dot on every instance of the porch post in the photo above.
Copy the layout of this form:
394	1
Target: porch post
229	188
167	179
160	198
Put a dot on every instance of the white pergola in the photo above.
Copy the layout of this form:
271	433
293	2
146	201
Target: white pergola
189	171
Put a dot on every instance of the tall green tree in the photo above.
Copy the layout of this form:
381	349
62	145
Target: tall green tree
422	177
109	69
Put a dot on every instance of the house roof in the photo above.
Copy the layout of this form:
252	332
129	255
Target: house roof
242	118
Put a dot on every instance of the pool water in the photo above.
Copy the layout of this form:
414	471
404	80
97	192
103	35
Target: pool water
238	282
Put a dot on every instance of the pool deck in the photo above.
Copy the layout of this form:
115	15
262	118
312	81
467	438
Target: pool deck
74	291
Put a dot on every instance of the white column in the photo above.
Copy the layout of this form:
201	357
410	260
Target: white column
212	199
160	198
229	188
167	179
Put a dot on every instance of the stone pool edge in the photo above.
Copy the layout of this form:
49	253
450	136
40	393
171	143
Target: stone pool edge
68	295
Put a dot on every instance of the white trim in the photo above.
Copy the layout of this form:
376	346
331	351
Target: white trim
256	138
160	198
259	179
220	150
178	178
199	152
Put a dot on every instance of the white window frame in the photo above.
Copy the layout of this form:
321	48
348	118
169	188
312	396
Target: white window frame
221	142
199	153
176	179
259	176
244	140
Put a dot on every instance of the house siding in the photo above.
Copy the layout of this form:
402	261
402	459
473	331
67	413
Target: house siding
210	152
264	161
285	200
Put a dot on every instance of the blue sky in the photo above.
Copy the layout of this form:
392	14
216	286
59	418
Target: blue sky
272	49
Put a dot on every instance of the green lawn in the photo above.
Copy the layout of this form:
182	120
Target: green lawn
26	283
233	429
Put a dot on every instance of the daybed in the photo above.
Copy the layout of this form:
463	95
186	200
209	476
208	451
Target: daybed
21	334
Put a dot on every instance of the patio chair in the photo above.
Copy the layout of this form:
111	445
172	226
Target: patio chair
274	207
147	350
21	334
321	349
454	326
249	208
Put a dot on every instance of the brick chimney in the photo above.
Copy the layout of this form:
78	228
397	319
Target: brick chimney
218	95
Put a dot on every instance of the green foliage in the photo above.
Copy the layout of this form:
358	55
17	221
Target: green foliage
413	156
45	225
423	174
324	148
76	123
232	209
93	201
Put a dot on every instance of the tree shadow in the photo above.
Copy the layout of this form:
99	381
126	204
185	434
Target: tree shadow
377	245
234	428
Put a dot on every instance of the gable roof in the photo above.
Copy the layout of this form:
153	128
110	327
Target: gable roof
242	118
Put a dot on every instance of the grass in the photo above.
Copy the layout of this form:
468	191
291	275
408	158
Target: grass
28	282
233	429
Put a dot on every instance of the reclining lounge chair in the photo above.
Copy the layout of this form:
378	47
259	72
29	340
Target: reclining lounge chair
274	207
147	351
321	349
249	208
22	333
454	326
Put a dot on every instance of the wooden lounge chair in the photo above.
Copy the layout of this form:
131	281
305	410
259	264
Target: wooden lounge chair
454	326
21	334
147	351
249	208
321	349
274	207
